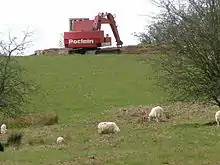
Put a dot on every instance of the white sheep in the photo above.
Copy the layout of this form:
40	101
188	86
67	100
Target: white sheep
156	112
3	128
60	140
107	127
217	118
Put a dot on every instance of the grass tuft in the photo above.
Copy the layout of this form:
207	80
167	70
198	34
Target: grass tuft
14	139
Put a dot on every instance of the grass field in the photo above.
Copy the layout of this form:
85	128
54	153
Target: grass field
84	90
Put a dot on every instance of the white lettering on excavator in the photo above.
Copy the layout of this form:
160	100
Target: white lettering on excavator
81	41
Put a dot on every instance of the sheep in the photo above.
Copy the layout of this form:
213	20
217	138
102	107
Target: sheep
107	127
217	118
156	112
60	140
3	128
1	147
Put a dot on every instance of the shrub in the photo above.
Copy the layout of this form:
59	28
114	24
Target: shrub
33	119
14	139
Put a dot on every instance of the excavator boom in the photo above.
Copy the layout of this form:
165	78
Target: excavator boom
107	18
114	29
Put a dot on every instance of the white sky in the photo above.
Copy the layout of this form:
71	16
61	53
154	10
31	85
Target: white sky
50	17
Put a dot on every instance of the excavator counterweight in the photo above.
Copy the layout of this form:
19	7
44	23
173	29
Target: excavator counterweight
86	35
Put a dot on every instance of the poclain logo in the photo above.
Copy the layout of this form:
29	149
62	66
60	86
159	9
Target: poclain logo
81	41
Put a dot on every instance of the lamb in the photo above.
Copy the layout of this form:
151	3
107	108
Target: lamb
60	140
107	127
217	118
156	112
3	128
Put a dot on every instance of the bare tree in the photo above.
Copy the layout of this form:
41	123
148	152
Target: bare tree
144	37
155	33
192	70
14	88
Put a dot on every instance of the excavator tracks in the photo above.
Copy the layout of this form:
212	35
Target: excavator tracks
109	51
95	52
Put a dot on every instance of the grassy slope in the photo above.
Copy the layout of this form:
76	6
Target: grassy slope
82	88
85	84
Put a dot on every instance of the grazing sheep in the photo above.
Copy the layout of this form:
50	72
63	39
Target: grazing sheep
3	128
1	147
217	118
60	140
107	127
156	112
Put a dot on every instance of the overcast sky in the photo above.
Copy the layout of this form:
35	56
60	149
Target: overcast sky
50	17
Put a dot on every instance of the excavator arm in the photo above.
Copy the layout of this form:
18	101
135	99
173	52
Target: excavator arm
107	18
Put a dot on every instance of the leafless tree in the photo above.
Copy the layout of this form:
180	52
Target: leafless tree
192	70
14	88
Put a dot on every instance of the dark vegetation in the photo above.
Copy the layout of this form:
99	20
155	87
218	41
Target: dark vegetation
14	88
191	71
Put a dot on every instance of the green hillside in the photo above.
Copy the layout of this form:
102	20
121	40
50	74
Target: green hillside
82	85
84	90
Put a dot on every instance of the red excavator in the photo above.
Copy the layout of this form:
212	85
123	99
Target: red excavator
85	35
